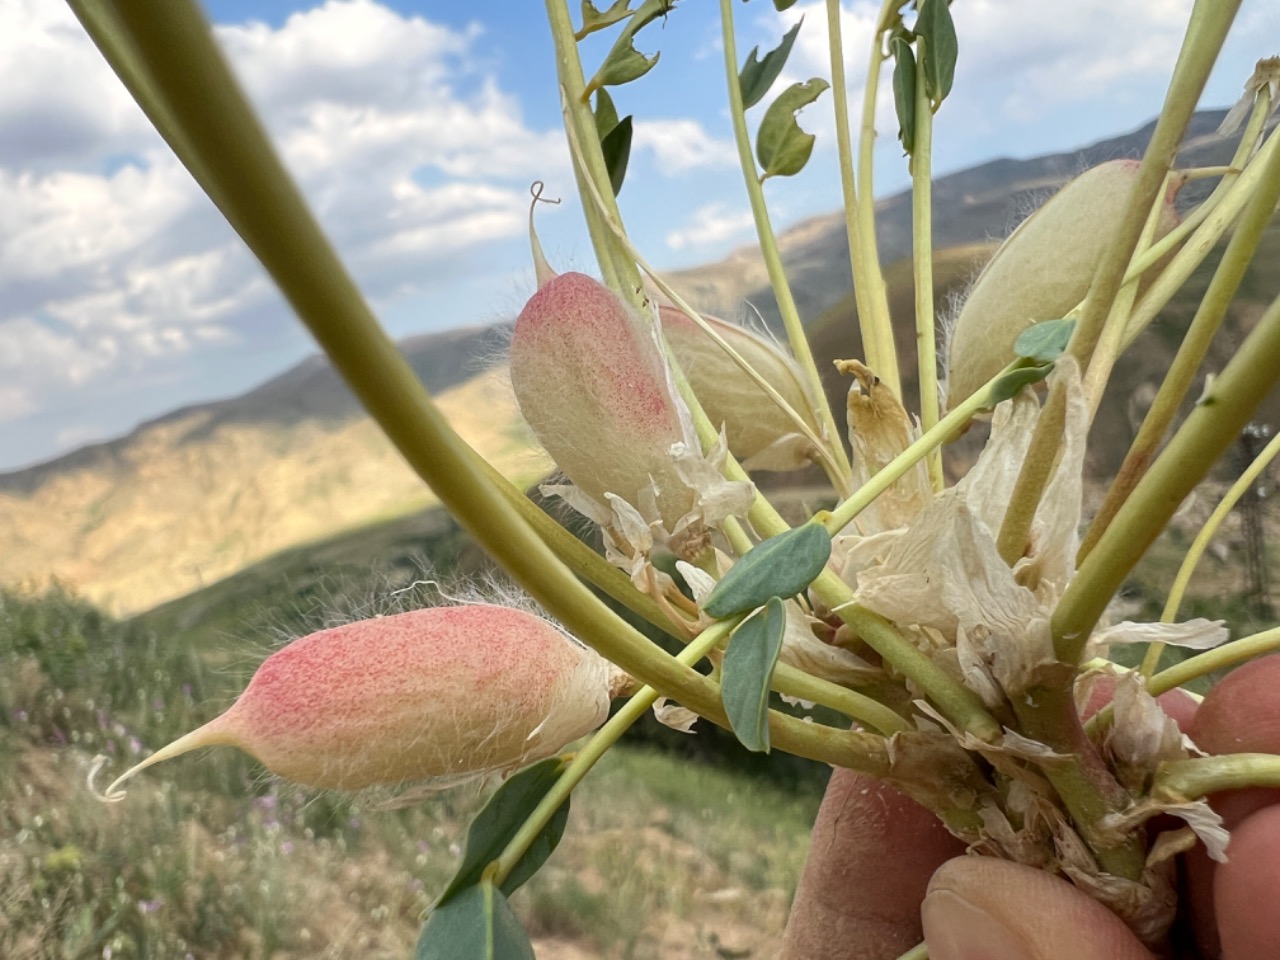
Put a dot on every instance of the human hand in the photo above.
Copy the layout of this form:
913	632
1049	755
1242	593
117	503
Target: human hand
883	874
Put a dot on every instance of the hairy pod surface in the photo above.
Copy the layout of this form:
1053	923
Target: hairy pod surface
441	693
1041	272
592	383
755	426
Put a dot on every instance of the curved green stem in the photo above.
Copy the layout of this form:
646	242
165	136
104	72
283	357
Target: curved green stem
618	272
922	260
769	247
871	333
1214	424
860	751
1195	345
1211	661
1193	779
885	365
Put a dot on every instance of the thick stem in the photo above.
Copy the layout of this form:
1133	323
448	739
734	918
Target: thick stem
1193	779
589	167
1195	345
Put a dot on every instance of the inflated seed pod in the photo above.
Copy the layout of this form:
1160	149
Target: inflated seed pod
1041	272
757	429
442	694
592	383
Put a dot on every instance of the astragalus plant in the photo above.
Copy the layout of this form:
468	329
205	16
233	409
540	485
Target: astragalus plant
960	628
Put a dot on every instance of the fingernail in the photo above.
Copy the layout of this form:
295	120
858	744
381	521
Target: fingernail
955	929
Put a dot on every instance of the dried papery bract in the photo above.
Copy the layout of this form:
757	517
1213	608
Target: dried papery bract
1041	272
759	431
444	694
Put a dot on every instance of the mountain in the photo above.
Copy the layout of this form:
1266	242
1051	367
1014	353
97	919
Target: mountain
208	490
204	491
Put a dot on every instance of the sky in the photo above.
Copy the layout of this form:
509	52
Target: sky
415	128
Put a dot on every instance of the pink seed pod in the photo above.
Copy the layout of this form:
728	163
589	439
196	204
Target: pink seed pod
1042	271
757	429
444	693
592	383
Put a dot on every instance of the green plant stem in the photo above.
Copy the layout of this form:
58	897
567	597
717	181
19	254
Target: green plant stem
267	210
958	703
945	429
860	751
1243	483
885	366
922	260
1230	174
871	334
1193	779
618	271
1206	31
1201	243
1082	780
793	682
1219	658
1213	426
1194	347
769	244
919	952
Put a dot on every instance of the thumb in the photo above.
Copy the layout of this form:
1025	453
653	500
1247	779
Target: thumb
979	908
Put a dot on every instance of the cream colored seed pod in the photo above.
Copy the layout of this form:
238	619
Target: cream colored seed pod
758	431
441	694
1041	272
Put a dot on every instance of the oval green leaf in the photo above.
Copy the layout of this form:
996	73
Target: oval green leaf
1008	385
497	823
904	91
477	924
758	76
624	63
781	566
940	48
1044	342
781	146
605	114
747	672
616	148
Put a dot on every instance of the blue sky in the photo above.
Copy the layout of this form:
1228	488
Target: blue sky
415	128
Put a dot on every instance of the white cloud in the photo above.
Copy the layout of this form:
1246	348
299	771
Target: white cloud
710	225
682	145
111	259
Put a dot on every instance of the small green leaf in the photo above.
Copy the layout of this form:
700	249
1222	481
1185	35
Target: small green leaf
497	823
616	147
1008	385
940	48
781	566
1044	342
593	19
624	63
781	146
904	91
757	77
747	672
477	924
606	114
781	5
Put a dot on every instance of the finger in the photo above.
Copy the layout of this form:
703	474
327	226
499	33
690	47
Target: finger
873	851
980	908
1240	714
1246	890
